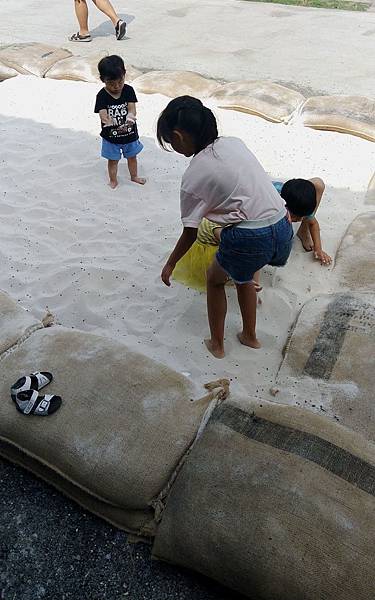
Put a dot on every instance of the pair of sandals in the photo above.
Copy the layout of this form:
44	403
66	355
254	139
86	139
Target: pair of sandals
25	395
120	31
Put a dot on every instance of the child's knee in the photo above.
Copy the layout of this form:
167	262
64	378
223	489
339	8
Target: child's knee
215	275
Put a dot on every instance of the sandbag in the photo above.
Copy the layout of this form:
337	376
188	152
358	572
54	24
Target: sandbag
7	72
269	100
346	114
175	83
370	194
122	429
277	503
83	68
15	322
32	58
329	361
139	522
355	258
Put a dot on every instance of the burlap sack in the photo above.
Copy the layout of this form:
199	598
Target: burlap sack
276	503
84	68
32	58
355	258
175	83
329	362
7	72
139	522
124	424
269	100
346	114
370	194
15	322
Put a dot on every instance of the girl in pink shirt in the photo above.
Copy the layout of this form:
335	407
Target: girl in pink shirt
226	184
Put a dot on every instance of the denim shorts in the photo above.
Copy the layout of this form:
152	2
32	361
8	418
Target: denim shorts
242	251
113	151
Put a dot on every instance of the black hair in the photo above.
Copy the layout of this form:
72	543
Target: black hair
299	196
189	115
111	68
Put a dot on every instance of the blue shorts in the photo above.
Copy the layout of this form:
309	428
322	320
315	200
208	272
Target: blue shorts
242	252
113	151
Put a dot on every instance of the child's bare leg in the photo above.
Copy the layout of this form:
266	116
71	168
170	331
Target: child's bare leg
247	299
256	280
217	233
258	287
133	170
216	308
304	235
106	7
112	172
82	14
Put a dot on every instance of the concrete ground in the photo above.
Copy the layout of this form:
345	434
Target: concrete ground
49	547
315	50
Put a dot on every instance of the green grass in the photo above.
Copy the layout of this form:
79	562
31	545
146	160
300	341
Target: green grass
338	4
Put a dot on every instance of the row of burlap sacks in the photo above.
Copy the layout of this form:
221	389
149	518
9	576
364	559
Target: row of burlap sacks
271	500
348	114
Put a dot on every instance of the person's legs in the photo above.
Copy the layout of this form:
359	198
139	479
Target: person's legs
106	7
247	299
82	13
133	170
112	172
216	308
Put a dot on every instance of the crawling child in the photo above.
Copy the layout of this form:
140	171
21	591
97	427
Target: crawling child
302	199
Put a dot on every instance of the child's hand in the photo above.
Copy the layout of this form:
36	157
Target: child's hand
131	118
166	274
324	258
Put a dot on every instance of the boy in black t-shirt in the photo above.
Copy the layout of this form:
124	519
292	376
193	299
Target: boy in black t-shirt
115	104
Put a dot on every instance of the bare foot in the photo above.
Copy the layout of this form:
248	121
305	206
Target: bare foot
140	180
250	341
113	183
216	351
306	240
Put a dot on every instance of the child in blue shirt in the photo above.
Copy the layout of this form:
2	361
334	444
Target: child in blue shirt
116	105
302	199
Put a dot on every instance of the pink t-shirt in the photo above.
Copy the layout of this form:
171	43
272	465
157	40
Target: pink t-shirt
226	184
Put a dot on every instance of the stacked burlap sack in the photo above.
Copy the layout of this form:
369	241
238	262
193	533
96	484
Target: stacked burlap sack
271	500
354	115
124	425
277	503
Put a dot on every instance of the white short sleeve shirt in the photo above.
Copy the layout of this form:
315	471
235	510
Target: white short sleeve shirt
226	184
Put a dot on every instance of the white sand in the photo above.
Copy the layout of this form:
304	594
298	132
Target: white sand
94	255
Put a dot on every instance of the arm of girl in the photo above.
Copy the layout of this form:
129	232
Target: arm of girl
186	240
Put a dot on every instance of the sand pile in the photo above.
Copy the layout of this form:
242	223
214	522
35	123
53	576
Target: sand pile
94	255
